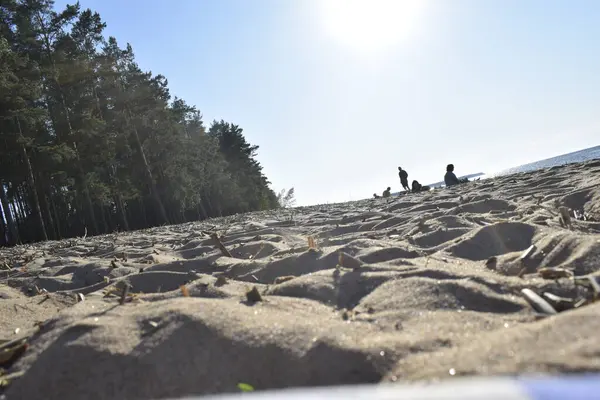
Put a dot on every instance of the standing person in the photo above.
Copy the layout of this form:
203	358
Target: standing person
450	179
403	179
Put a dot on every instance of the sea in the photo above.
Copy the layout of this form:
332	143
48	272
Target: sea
591	153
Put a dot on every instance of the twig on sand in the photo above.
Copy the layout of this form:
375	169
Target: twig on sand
559	303
524	256
5	379
555	273
22	306
594	285
537	302
312	244
282	279
184	291
253	257
565	217
347	261
124	293
12	350
220	245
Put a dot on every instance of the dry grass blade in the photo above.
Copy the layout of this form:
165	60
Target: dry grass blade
537	302
312	244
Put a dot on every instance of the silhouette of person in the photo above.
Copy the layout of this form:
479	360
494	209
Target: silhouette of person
403	178
387	192
416	186
450	179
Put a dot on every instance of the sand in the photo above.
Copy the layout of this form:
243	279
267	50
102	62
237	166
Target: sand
428	286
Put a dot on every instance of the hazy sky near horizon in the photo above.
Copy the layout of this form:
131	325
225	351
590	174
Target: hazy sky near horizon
338	94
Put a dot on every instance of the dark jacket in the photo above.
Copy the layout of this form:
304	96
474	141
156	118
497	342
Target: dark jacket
403	176
450	179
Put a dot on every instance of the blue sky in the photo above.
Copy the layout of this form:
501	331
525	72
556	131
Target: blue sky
337	100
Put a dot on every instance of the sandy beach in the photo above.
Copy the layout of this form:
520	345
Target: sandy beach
418	287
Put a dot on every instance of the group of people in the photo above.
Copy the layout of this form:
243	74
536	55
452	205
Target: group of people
450	179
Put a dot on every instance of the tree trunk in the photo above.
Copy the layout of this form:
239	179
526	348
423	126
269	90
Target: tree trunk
143	212
31	182
13	231
56	218
150	178
211	211
151	182
201	211
50	219
3	229
104	223
13	237
82	179
118	197
20	210
86	190
121	210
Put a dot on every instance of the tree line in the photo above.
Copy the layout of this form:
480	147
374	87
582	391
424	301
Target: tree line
91	143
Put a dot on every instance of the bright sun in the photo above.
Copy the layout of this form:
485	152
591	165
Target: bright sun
370	26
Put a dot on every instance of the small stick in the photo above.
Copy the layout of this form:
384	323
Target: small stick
537	302
184	291
124	294
262	246
566	217
595	286
527	253
220	244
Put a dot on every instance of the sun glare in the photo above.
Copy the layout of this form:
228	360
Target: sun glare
370	25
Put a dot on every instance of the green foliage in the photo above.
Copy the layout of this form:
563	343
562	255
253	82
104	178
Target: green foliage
244	387
88	140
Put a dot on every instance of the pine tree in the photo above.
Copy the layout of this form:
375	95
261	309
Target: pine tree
91	142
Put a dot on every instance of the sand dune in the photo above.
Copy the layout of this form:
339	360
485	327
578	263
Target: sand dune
417	287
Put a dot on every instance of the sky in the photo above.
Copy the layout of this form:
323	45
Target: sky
339	93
